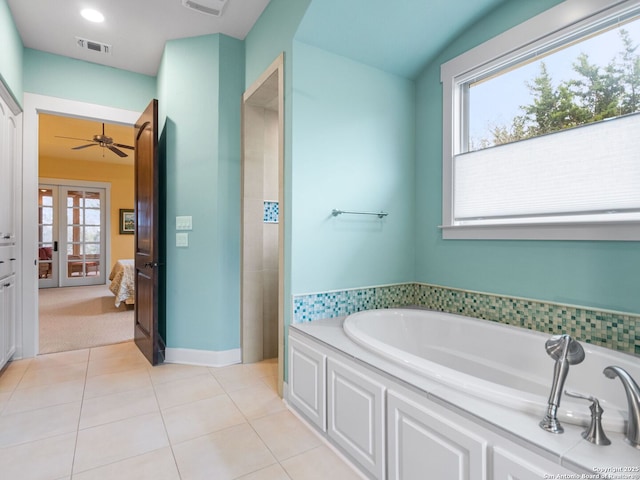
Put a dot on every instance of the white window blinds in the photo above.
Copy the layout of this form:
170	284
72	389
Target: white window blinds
591	171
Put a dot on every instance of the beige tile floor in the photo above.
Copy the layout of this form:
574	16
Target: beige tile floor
104	413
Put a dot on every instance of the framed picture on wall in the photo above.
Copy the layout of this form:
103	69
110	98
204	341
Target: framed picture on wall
127	221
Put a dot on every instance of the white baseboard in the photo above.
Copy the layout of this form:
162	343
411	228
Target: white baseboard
207	358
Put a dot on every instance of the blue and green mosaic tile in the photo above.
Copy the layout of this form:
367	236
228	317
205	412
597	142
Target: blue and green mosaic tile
614	330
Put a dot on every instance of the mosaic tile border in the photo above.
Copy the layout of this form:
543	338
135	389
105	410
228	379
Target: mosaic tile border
271	212
618	331
316	306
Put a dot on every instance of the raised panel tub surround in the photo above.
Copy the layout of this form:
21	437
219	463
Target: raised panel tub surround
422	440
355	414
421	416
307	382
427	440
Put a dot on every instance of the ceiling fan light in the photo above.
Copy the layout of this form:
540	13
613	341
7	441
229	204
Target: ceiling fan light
92	15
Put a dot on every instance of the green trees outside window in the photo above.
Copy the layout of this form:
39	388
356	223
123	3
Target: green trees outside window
594	92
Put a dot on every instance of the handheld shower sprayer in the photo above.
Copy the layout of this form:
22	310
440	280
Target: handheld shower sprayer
565	351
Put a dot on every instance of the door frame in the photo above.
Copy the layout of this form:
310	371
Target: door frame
27	332
276	68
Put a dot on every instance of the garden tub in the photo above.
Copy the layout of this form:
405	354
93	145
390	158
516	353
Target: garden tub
499	363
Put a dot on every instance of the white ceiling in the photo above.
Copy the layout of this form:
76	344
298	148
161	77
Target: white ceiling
136	29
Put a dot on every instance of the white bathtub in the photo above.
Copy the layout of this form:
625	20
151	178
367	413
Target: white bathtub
503	364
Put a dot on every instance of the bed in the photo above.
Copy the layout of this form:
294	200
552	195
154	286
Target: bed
123	282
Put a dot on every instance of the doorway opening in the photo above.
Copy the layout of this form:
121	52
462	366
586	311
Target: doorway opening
63	109
79	241
262	303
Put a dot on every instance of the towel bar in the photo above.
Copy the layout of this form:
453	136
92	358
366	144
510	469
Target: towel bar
336	212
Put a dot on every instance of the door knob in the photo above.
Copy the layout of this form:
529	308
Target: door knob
152	264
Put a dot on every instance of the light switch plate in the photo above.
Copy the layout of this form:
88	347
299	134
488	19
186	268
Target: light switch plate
182	239
184	222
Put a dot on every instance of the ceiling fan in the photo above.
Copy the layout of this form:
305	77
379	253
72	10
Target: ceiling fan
103	141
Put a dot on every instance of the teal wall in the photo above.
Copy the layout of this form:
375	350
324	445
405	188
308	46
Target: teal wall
353	149
64	77
226	329
200	83
272	35
12	53
595	274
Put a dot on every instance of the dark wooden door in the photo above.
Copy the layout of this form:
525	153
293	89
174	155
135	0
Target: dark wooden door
146	235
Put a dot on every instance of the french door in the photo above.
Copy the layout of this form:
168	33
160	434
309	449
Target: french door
71	235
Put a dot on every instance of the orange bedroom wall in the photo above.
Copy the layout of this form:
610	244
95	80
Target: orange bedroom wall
121	178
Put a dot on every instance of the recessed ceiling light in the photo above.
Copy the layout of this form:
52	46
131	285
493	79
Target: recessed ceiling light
92	15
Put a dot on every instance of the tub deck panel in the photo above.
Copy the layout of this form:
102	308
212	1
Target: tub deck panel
518	447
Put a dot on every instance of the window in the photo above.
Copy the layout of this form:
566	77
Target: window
543	141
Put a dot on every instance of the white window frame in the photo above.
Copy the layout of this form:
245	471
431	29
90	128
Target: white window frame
567	20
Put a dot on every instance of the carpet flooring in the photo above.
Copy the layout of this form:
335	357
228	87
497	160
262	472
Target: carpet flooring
73	318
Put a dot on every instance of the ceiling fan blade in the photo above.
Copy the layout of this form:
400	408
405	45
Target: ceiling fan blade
74	138
120	153
83	146
123	146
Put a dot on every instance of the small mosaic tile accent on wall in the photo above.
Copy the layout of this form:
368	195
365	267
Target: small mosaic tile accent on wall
307	308
617	331
271	212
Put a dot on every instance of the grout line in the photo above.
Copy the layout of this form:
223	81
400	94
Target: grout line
166	432
15	387
75	446
125	419
248	421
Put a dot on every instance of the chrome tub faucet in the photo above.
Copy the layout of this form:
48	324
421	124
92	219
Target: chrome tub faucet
632	390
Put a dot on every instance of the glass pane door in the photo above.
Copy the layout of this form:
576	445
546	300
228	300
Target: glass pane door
81	245
47	233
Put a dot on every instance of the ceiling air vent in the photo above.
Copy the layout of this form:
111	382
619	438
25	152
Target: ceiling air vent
90	45
210	7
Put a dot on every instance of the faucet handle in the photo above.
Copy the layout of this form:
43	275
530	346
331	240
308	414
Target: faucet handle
595	433
582	396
